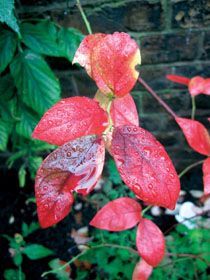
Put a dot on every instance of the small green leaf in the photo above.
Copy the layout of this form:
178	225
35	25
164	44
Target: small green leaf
36	83
36	251
7	14
33	164
41	37
22	176
18	258
60	274
4	135
69	40
27	123
28	229
7	47
13	274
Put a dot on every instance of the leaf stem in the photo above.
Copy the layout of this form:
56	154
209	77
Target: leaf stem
193	107
145	210
190	167
154	94
87	24
85	251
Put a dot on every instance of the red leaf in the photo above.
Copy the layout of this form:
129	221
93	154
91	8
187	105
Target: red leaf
144	166
206	86
142	271
196	85
206	176
77	165
150	242
113	63
84	52
196	135
69	119
117	215
123	111
178	79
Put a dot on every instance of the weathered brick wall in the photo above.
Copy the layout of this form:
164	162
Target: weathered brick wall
174	37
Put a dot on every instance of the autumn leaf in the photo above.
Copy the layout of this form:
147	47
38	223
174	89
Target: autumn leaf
206	176
69	119
144	166
150	242
196	85
111	61
178	79
117	215
142	271
196	135
84	52
75	166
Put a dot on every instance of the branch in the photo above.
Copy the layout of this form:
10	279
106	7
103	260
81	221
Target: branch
159	100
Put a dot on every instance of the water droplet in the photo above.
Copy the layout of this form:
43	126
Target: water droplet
55	155
147	151
46	206
135	129
68	154
167	169
50	122
150	186
171	175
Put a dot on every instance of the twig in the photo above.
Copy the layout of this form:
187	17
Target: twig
87	24
154	94
193	107
84	252
190	167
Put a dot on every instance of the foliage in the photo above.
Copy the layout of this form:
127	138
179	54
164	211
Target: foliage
28	86
18	248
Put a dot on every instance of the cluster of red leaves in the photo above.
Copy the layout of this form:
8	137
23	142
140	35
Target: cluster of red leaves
84	127
197	85
195	133
125	213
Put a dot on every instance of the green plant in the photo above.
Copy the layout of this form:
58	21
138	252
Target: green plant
18	247
28	86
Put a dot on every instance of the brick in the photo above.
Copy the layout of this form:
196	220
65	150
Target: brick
162	48
144	16
190	14
206	46
176	100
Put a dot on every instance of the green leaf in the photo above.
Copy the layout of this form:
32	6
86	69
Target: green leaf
36	251
13	274
22	176
7	14
36	83
6	86
18	258
69	40
28	229
27	123
7	47
41	37
33	164
60	274
4	134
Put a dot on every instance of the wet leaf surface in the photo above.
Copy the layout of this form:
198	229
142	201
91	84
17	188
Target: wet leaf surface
142	271
206	176
150	242
144	166
75	166
117	215
69	119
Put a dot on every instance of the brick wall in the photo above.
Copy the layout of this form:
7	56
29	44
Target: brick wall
174	37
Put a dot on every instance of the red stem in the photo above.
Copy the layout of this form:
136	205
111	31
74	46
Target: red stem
154	94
